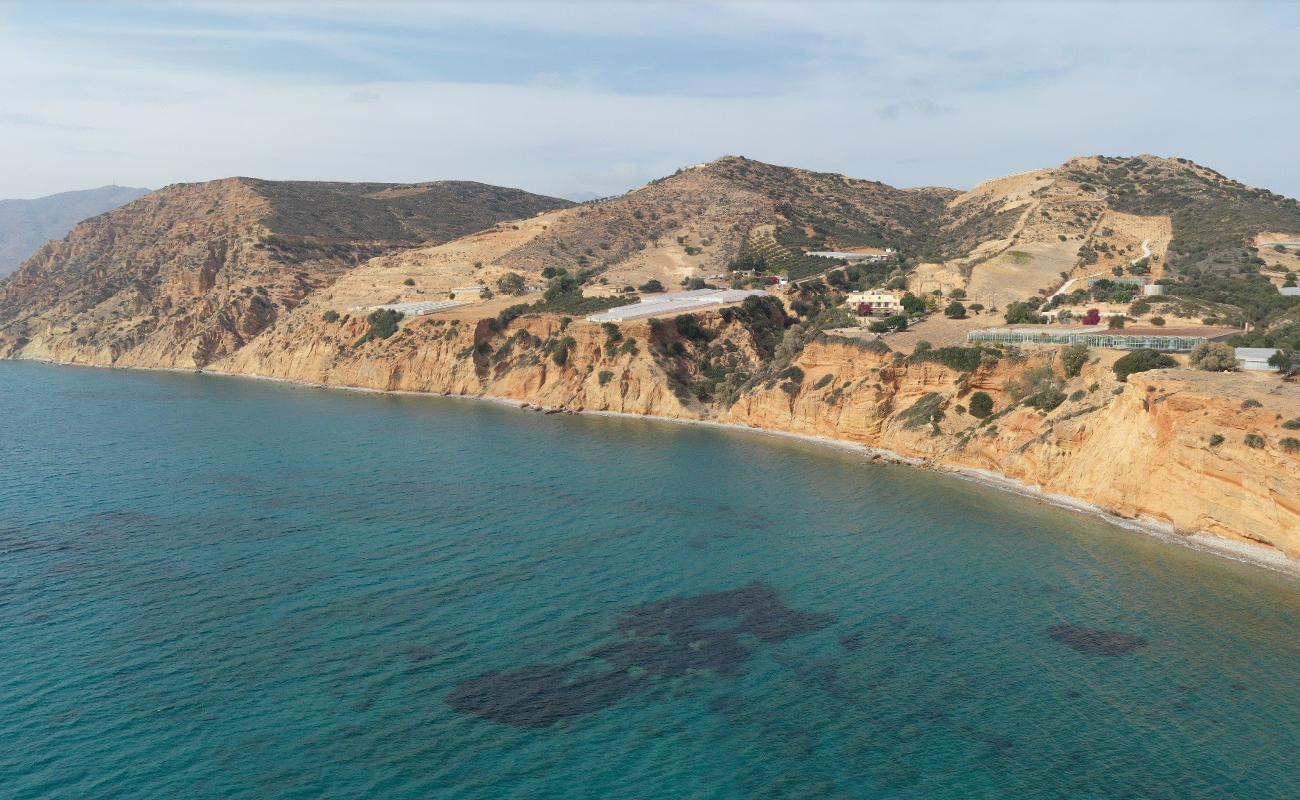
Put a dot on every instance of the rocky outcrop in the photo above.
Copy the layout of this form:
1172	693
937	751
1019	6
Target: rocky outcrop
1148	449
191	273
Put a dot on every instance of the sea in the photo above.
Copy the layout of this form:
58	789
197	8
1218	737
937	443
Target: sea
216	587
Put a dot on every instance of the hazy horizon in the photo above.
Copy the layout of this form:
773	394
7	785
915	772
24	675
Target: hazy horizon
575	100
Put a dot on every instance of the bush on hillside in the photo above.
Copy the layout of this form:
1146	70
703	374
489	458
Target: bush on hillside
1141	361
981	405
1073	357
1214	357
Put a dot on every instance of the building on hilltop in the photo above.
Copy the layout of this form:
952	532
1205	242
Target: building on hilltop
875	302
1255	358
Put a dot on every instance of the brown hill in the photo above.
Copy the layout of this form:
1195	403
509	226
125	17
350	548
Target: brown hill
194	271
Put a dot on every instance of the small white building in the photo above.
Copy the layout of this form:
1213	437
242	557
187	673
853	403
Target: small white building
875	302
1290	291
1255	358
1153	289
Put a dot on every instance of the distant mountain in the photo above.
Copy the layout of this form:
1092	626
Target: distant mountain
25	225
191	272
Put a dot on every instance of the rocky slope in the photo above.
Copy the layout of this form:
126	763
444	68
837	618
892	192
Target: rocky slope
276	280
193	272
25	225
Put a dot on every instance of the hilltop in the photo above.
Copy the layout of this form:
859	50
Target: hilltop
282	280
194	271
25	225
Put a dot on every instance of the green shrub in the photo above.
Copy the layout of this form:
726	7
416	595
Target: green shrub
383	324
409	282
1290	445
912	304
1292	424
824	381
605	377
1046	400
1073	357
924	410
1254	440
962	359
1216	440
1141	361
1250	402
955	310
330	316
511	283
1024	314
652	285
1077	396
1214	357
981	405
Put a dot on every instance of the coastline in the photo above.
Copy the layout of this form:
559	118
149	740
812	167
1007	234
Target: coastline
1200	541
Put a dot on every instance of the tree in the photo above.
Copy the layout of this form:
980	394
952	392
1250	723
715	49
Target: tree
409	282
897	322
1073	357
957	294
1158	321
1115	322
512	283
331	316
1093	317
1214	357
912	304
976	307
1024	314
652	285
981	405
1141	361
955	310
1282	360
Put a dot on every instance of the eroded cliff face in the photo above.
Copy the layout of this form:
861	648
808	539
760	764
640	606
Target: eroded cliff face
1143	449
432	355
176	279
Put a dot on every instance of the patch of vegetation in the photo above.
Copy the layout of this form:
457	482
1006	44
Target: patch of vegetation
1073	357
605	377
1141	361
383	324
962	359
512	283
651	286
824	381
330	316
926	409
1216	440
1046	400
1289	445
1254	441
981	405
1214	357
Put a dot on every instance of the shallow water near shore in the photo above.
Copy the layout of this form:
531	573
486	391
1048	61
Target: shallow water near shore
218	588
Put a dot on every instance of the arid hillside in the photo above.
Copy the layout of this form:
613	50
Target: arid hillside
1018	236
281	280
192	272
695	223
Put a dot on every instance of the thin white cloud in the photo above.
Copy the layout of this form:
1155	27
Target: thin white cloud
909	94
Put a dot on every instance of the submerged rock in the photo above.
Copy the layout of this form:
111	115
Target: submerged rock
1095	641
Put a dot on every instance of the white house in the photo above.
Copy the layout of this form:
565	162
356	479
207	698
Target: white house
1254	357
875	302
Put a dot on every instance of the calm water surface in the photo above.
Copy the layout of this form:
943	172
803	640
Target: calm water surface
216	588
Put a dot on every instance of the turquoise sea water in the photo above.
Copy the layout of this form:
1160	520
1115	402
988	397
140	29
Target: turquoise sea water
220	588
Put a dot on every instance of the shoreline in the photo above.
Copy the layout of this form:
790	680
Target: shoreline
1198	541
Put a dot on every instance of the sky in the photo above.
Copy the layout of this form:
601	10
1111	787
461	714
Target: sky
591	99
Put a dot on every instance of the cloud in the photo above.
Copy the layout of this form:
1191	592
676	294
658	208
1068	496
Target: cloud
574	98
